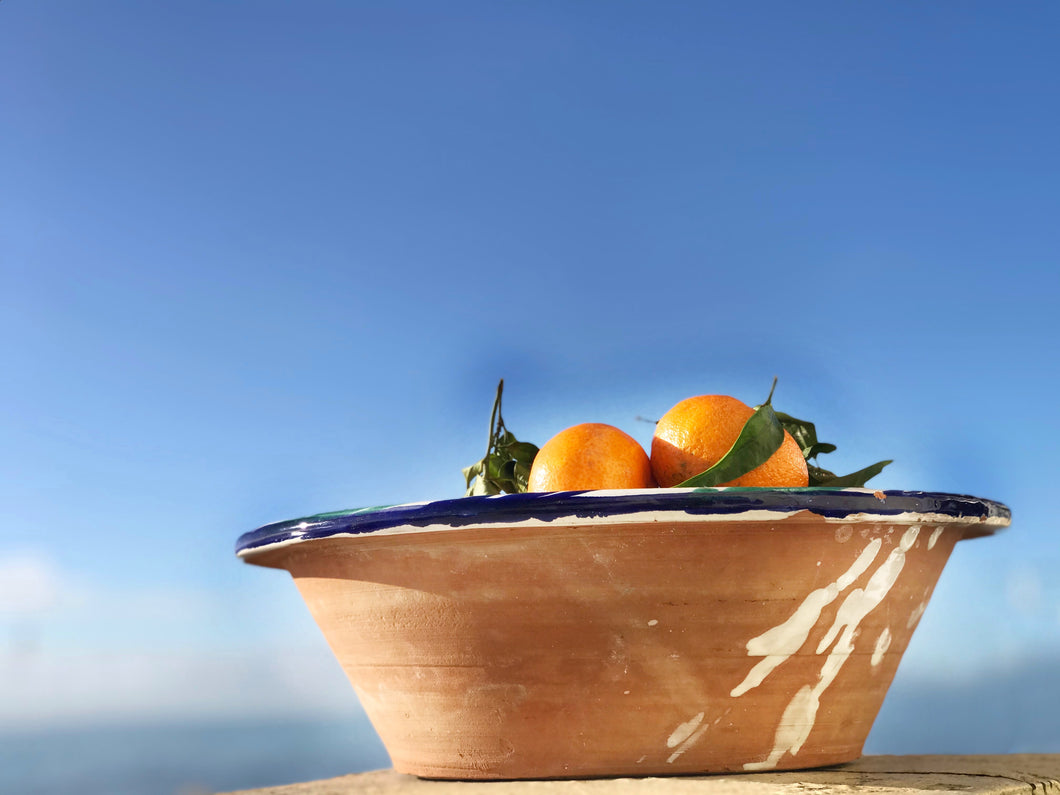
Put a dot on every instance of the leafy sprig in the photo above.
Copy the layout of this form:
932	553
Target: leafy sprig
805	434
506	465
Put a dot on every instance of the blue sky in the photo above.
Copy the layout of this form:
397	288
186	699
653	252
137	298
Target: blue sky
261	260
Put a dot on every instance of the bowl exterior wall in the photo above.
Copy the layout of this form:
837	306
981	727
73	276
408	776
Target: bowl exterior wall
632	650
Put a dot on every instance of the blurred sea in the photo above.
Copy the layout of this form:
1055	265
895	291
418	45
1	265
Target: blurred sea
184	759
1013	711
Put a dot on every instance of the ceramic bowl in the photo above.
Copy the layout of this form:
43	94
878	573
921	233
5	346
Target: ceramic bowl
624	633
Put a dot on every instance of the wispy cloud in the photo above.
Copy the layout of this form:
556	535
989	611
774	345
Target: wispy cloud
75	650
57	689
29	584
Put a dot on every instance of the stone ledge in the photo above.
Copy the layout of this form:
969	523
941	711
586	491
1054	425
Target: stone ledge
871	775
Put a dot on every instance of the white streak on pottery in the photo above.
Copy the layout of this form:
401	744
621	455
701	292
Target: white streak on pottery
862	600
779	643
684	730
883	642
653	622
934	537
798	719
918	611
793	729
685	736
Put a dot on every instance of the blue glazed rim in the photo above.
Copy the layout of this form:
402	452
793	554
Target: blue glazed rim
983	516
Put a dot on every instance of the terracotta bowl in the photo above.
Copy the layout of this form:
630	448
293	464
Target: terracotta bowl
624	633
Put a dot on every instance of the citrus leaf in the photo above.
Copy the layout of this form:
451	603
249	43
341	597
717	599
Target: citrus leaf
473	471
817	475
482	488
523	452
822	477
760	437
804	433
817	449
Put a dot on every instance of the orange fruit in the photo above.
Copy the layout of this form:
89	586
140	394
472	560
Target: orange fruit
694	435
590	456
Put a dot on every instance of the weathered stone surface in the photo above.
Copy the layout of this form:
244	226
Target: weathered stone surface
1037	774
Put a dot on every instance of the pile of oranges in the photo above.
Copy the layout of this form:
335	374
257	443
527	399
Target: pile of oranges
689	439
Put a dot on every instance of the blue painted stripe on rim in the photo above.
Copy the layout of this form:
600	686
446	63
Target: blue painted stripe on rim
510	508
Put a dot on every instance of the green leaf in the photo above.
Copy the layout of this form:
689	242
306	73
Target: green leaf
804	433
481	487
817	449
506	465
473	471
822	477
523	452
759	438
817	475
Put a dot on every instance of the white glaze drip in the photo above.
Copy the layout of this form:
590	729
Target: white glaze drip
776	645
799	716
883	643
685	736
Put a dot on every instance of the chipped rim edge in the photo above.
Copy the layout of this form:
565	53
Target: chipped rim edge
630	506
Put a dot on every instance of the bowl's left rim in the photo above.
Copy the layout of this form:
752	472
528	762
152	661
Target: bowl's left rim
598	507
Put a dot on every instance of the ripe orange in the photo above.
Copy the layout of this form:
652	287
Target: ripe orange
694	435
590	456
